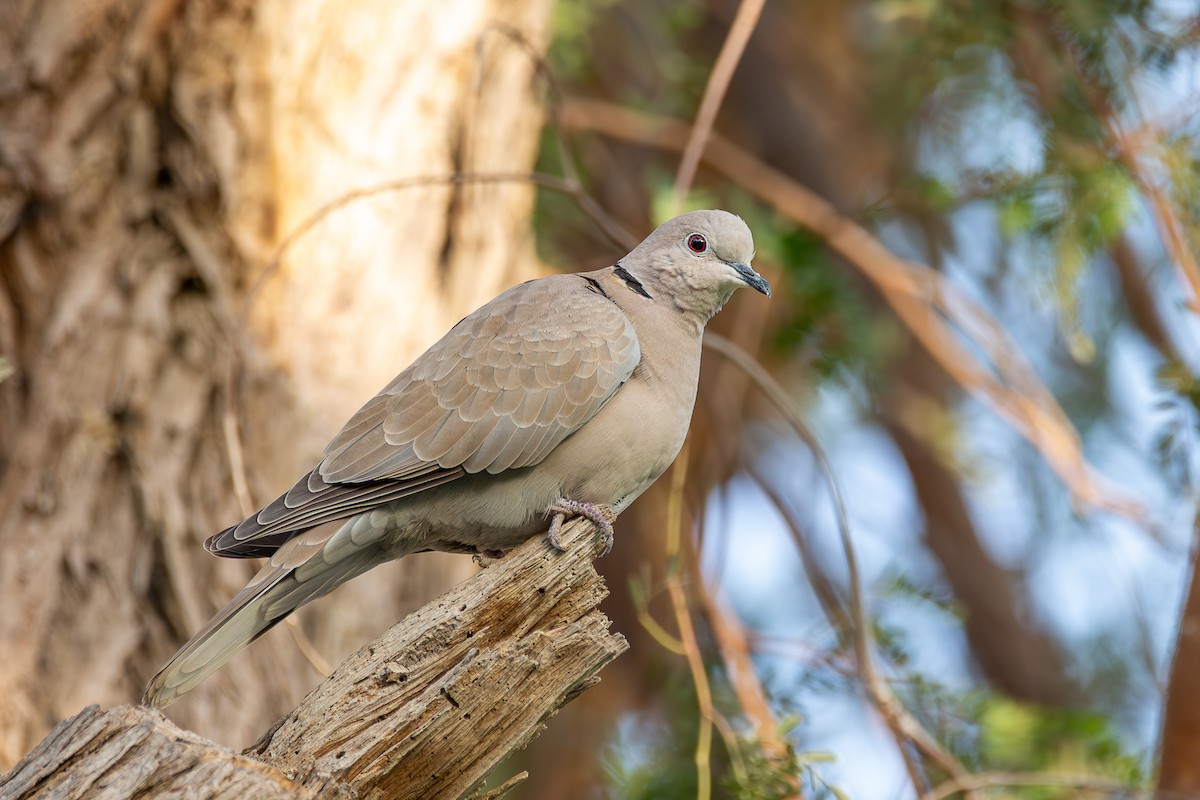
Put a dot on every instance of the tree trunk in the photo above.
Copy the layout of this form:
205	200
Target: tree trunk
1179	739
425	711
153	155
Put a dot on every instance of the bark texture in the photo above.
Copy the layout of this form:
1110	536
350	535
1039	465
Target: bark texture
153	154
425	711
1179	739
132	751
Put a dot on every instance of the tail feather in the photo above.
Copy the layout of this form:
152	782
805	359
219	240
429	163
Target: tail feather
276	591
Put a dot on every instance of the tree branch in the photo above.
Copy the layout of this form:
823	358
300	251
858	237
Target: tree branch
424	711
940	316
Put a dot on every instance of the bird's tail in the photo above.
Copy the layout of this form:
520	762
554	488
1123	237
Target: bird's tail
307	567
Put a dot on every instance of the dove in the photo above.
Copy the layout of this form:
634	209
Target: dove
565	395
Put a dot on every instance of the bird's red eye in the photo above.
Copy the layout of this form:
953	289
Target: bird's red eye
697	243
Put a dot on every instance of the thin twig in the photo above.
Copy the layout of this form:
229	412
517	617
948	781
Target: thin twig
241	490
733	644
687	633
800	650
737	762
307	648
506	787
658	633
1170	226
924	300
552	182
820	583
902	723
989	780
237	462
714	92
605	221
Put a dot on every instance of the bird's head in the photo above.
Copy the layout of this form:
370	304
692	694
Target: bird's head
698	260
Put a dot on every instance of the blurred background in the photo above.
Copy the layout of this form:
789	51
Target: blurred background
223	226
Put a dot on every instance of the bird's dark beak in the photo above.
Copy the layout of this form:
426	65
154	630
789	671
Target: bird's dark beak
752	278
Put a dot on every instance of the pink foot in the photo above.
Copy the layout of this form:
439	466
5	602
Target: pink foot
600	515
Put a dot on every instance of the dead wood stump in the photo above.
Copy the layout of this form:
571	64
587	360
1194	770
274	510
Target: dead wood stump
424	711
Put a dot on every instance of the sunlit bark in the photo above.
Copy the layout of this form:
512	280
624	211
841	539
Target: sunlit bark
154	155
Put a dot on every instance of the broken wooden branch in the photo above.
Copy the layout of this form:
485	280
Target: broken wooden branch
424	711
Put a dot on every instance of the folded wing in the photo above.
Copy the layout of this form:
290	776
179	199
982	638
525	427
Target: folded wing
500	391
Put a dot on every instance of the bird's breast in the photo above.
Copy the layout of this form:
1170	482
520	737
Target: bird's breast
629	443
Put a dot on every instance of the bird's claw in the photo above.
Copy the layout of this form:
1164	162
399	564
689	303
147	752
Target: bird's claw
606	540
552	533
484	558
601	516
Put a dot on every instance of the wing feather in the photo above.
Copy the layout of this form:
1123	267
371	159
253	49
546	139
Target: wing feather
499	391
548	353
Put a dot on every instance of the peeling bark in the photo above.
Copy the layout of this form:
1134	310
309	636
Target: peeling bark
153	155
425	711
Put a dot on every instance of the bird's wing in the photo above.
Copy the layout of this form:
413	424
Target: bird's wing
500	391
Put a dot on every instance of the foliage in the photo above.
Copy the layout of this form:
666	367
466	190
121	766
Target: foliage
651	757
1055	176
652	754
1014	736
1027	151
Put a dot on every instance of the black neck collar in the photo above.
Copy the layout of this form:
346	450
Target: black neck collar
633	283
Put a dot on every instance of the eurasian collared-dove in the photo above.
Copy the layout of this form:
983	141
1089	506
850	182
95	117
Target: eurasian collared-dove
527	408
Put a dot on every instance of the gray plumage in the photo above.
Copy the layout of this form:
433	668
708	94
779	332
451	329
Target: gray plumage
525	406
